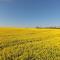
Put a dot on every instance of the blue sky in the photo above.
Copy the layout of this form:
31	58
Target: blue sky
29	13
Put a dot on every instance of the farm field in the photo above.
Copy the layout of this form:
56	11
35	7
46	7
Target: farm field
29	44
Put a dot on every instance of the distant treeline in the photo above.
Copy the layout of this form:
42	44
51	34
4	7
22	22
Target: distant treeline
48	27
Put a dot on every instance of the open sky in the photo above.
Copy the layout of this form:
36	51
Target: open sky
29	13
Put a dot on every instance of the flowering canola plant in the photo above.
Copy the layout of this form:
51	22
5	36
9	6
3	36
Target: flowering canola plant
29	44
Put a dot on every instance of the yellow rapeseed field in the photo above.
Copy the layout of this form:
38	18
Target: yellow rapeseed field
29	44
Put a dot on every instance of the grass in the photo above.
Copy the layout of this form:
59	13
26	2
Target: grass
29	44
